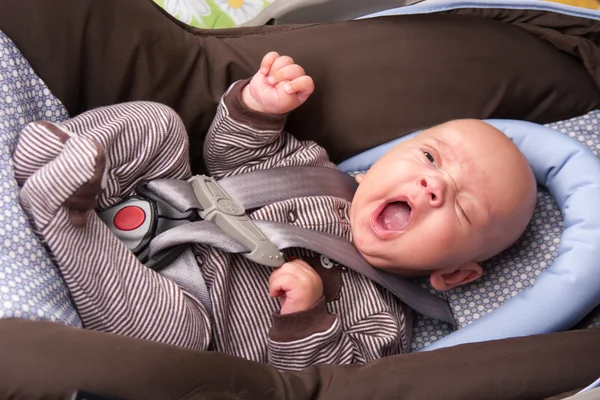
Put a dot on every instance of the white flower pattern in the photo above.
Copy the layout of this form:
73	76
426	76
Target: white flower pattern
185	10
240	10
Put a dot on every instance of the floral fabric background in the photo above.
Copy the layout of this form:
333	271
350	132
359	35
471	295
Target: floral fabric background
216	14
213	14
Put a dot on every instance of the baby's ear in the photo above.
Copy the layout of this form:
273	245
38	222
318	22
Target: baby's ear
468	272
359	178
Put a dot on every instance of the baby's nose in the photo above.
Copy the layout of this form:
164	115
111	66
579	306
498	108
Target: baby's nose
435	189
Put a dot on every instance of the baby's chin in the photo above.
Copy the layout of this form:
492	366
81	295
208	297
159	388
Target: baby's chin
377	254
400	271
365	245
374	261
380	262
394	267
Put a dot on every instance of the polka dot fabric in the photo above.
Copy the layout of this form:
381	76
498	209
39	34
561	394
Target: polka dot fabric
30	285
518	267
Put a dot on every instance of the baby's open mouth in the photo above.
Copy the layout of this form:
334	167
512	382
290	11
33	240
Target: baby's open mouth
395	216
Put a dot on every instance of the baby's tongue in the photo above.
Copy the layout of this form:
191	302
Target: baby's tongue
395	216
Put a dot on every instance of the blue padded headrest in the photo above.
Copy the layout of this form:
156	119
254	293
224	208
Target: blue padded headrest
569	289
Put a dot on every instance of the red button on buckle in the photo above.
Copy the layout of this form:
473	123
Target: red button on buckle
129	218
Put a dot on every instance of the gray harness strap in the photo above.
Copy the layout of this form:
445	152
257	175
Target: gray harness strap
266	187
260	188
286	236
184	272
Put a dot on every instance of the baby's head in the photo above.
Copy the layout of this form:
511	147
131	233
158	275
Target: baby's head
440	203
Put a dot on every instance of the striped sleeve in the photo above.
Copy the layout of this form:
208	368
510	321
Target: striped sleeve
368	339
242	140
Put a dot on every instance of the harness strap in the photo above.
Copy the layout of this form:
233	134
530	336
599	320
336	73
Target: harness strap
184	272
334	247
260	188
225	201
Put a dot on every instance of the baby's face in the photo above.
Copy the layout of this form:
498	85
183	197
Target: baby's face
455	194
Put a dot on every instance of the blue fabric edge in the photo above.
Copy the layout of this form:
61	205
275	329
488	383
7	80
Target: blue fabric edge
446	5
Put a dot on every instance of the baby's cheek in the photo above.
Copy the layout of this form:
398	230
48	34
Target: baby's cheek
439	227
439	237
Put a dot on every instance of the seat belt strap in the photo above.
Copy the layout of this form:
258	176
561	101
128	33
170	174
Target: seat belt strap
184	272
285	236
263	187
260	188
227	227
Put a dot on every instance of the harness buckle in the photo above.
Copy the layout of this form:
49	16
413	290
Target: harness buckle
231	217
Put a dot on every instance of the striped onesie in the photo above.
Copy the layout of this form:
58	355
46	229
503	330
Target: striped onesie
107	151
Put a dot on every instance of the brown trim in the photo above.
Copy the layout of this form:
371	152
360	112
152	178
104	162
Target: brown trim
302	324
48	360
375	79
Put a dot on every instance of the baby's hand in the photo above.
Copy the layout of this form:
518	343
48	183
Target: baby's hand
297	285
278	87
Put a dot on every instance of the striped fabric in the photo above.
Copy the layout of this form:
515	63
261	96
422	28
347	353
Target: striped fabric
114	292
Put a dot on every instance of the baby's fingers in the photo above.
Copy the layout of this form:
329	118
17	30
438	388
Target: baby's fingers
279	284
287	73
267	62
280	62
303	86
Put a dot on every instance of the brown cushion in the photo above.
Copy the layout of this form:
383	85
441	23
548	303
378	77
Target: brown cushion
376	79
49	361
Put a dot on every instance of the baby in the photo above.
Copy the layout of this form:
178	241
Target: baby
437	205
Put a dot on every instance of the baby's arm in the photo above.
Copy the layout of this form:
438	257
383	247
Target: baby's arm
301	342
305	333
247	132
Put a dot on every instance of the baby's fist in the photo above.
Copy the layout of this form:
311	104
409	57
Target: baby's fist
278	87
297	286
